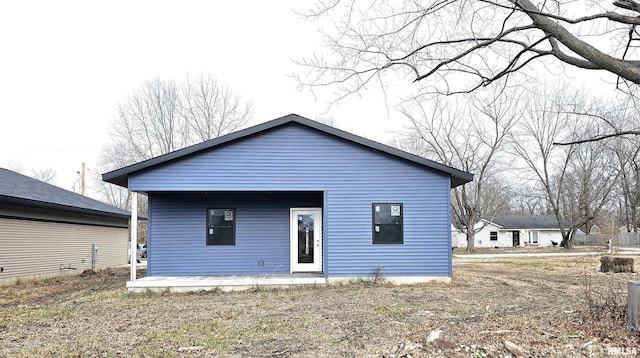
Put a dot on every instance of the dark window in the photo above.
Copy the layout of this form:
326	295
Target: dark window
221	226
387	223
493	236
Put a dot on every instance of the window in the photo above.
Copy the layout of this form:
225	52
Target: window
387	223
221	226
533	237
493	236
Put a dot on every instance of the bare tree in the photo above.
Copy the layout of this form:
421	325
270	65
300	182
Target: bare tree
14	166
47	175
467	133
629	160
149	122
210	109
527	200
616	118
330	121
591	178
575	181
458	46
163	116
109	193
627	157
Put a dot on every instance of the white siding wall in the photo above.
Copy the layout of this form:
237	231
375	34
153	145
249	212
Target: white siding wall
506	236
544	237
458	239
483	237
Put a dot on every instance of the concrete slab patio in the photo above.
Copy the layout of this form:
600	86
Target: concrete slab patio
224	283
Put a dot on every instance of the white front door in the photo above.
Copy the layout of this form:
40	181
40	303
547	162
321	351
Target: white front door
306	240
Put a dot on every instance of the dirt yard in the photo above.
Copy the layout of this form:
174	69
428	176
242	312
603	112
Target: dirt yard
539	305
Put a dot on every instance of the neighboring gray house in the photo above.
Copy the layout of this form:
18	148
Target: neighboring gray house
48	231
294	196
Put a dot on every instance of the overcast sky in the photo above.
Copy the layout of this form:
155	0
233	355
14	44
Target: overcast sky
65	65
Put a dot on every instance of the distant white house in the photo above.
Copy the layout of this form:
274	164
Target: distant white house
489	236
513	231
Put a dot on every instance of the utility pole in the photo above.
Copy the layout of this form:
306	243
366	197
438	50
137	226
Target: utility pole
82	180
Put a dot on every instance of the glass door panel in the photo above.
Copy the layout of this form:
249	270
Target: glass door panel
305	239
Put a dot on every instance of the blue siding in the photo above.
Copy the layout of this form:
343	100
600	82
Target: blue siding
296	158
178	233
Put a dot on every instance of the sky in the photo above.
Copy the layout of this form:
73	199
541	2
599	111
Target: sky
65	66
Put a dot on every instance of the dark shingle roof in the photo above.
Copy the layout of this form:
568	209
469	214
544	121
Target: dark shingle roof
527	222
120	176
16	188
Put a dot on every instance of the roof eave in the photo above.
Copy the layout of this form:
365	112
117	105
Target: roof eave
60	207
117	179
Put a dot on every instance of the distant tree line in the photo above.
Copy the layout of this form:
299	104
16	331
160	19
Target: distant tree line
509	138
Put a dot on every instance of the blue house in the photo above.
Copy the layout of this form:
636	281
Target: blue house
292	199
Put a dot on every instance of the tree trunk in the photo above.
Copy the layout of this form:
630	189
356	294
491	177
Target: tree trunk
470	241
634	220
567	239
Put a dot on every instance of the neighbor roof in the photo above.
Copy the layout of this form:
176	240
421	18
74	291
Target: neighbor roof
120	176
527	222
19	189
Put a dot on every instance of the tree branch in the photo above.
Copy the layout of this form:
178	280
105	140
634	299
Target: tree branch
627	4
598	138
609	15
626	69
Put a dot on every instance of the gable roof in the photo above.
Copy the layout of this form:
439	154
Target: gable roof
527	222
456	224
120	176
19	189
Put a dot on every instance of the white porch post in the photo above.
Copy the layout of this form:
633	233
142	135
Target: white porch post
134	234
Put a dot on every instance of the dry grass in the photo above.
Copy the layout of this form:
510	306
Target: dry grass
544	305
525	250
